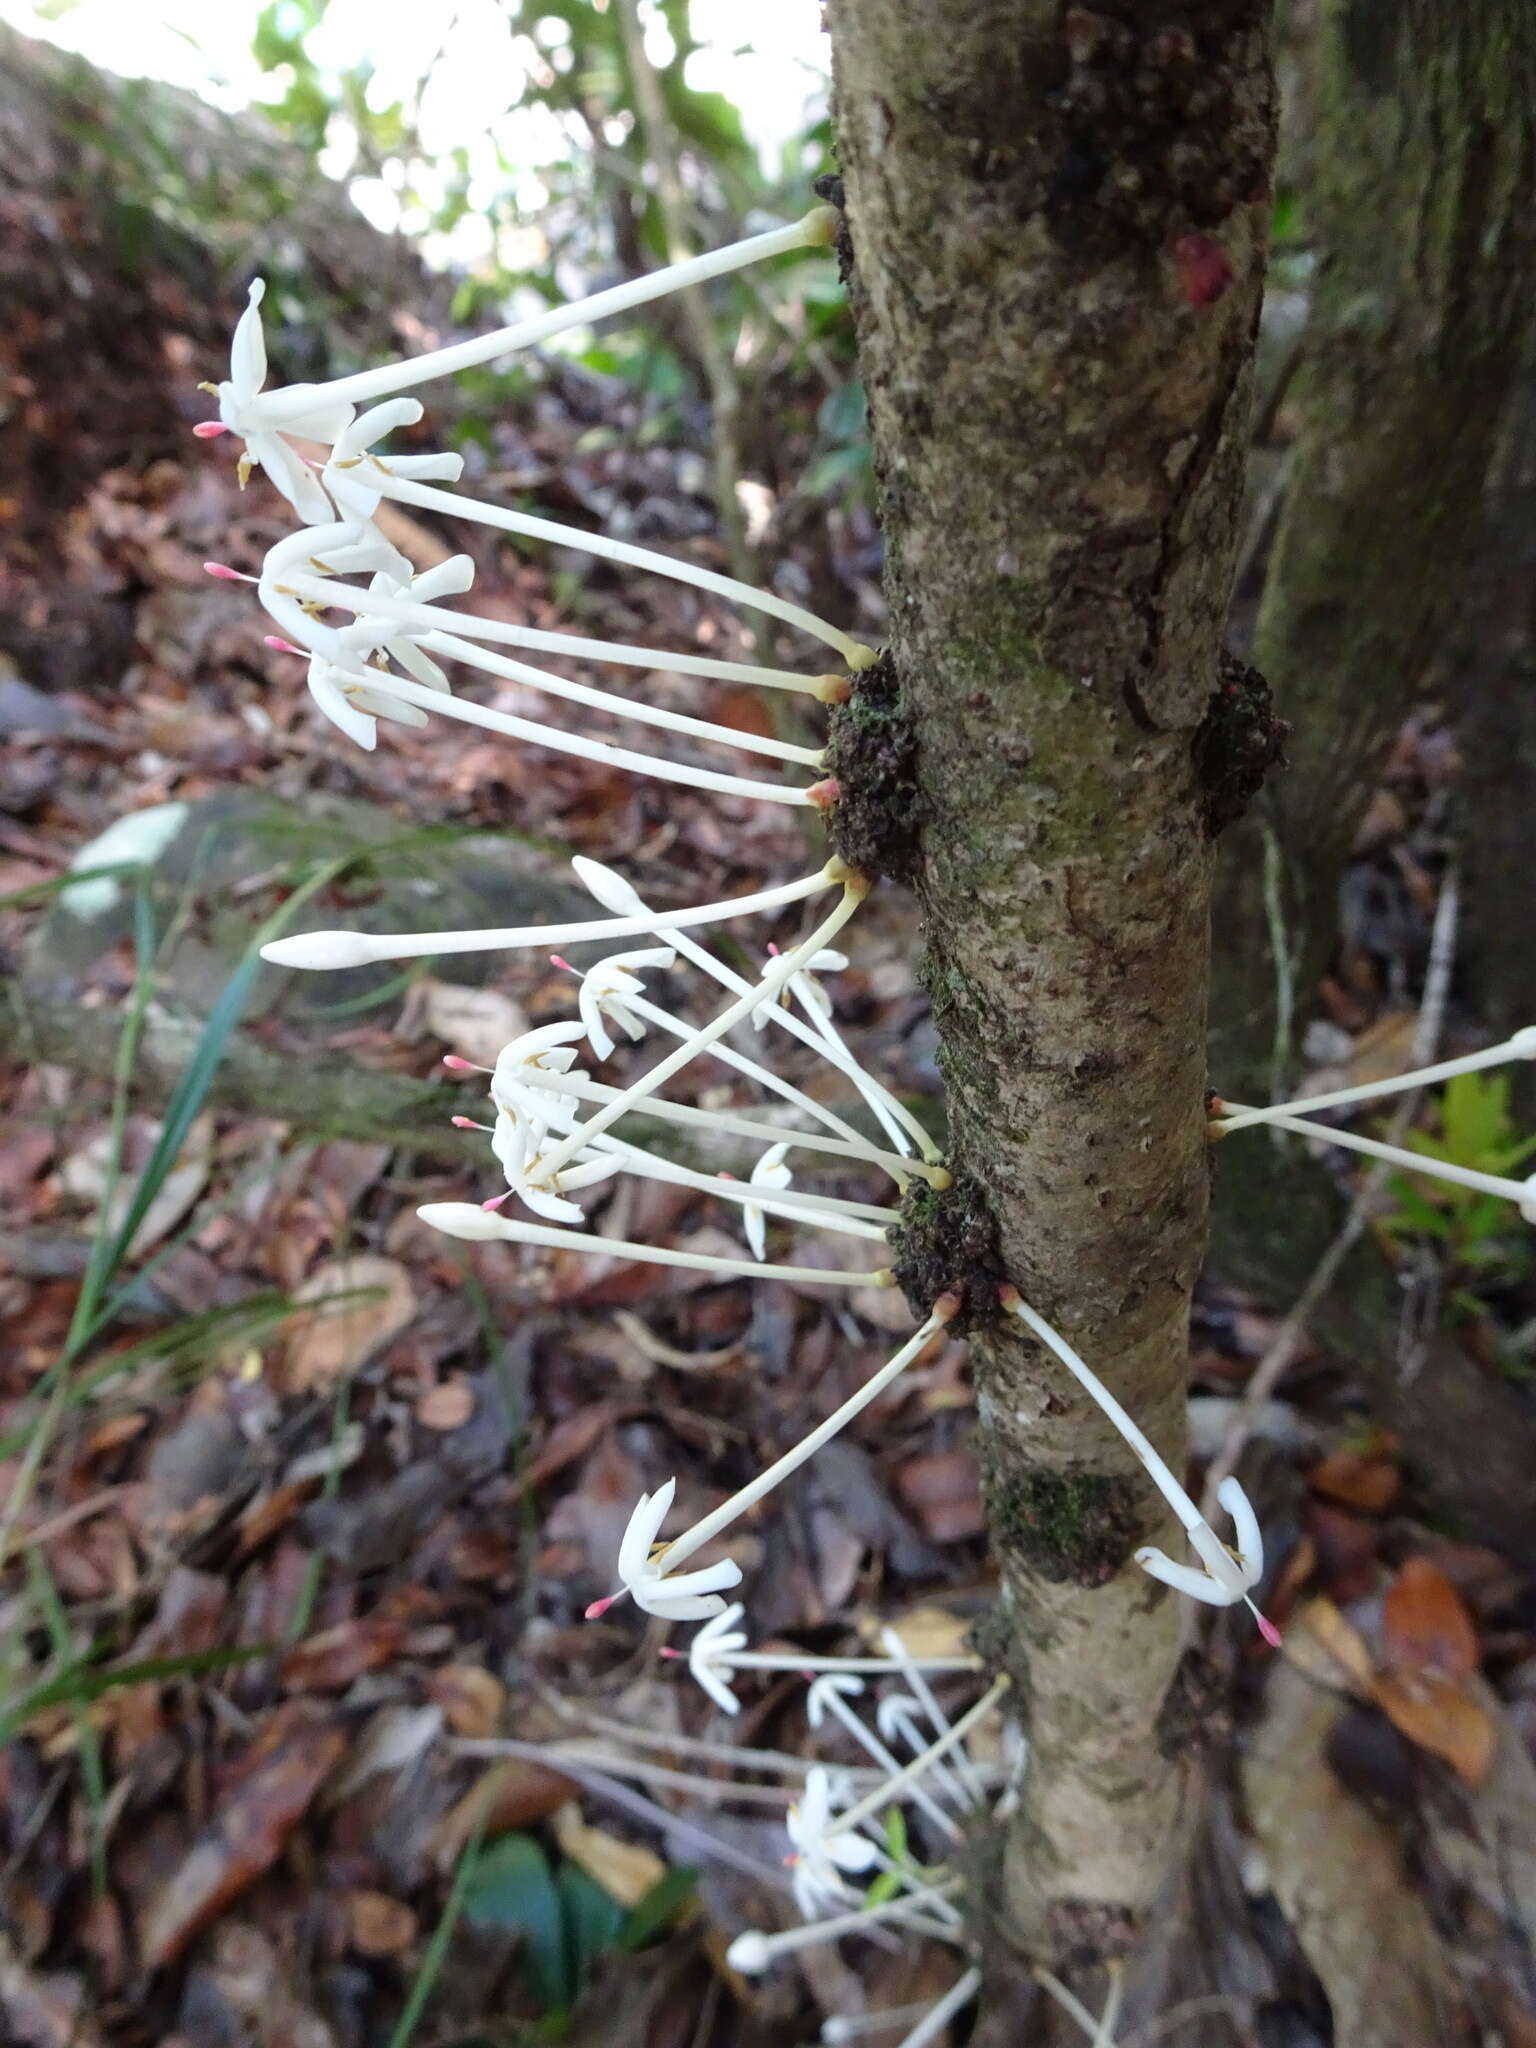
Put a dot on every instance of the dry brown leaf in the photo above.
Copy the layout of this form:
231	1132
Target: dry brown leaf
512	1794
446	1407
927	1631
1425	1627
395	1737
85	1173
1442	1716
338	1340
1382	1051
624	1869
332	1659
1357	1480
1330	1650
378	1925
942	1490
280	1776
470	1697
473	1022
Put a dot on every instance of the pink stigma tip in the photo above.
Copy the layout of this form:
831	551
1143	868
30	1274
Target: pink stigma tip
209	430
668	1651
559	960
282	646
1268	1631
456	1065
600	1607
496	1201
463	1123
773	947
224	574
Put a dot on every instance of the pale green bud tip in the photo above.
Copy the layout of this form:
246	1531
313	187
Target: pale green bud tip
860	656
460	1219
321	950
749	1953
821	225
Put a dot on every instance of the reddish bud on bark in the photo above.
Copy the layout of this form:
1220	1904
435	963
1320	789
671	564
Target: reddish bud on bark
1204	269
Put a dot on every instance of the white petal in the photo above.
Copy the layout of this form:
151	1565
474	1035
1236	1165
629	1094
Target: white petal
1184	1578
589	1002
292	476
610	889
650	1512
248	350
1245	1524
376	422
852	1852
357	725
718	1688
755	1230
448	579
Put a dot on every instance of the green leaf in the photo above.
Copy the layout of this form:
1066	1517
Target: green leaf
511	1887
594	1920
661	1905
84	1680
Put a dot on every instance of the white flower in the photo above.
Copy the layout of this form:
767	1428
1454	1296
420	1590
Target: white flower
525	1117
367	635
710	1654
813	997
243	412
607	990
819	1863
354	700
827	1691
769	1172
689	1596
1227	1578
357	478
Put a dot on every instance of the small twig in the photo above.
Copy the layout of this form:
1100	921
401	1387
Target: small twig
635	1803
722	1791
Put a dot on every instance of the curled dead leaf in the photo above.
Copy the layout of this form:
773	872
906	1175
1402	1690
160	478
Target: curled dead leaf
1425	1626
1441	1715
626	1870
336	1340
1329	1650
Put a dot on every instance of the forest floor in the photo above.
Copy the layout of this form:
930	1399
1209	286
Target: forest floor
320	1507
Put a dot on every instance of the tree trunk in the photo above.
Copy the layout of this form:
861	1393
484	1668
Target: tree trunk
1057	223
1494	695
1423	206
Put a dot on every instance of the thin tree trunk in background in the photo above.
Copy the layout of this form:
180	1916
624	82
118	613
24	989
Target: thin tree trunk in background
1057	223
1493	696
1423	209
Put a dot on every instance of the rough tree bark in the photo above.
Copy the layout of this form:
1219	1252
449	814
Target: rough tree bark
1423	207
1057	220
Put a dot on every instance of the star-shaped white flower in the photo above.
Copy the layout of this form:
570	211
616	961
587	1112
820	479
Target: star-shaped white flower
769	1172
710	1654
819	1864
686	1596
356	478
607	990
354	699
813	997
526	1116
1227	1578
242	411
